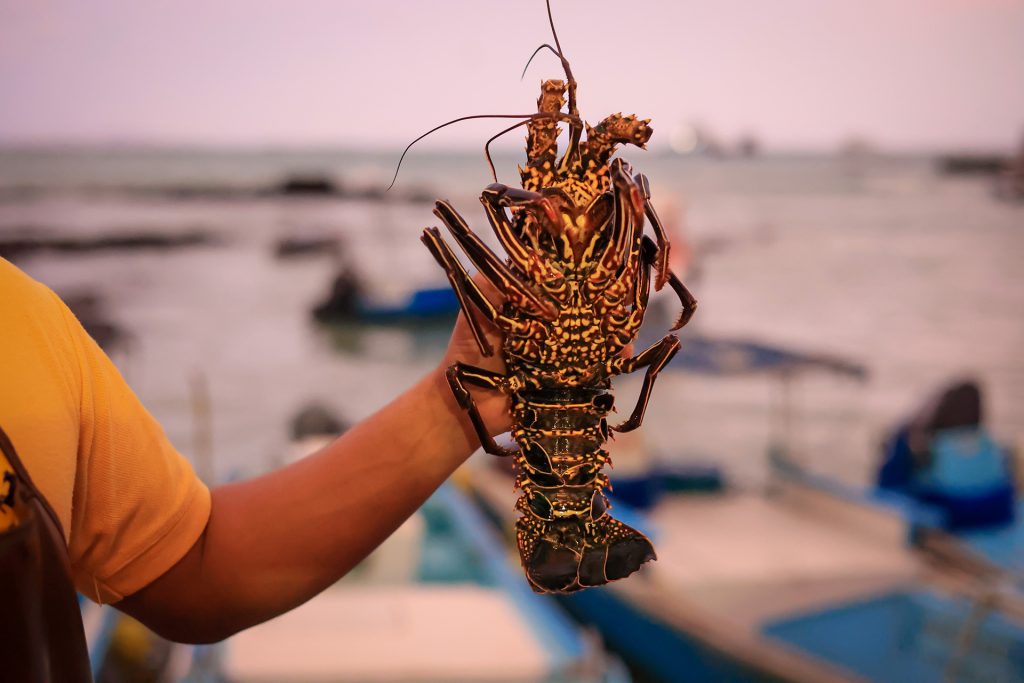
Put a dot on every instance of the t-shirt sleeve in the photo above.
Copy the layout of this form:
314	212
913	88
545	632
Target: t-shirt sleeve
137	505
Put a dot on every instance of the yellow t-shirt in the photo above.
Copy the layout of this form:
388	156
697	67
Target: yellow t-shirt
130	504
9	512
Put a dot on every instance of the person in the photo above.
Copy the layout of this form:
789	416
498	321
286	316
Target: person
135	525
944	457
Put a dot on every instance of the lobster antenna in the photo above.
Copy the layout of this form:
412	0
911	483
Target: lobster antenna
575	129
528	61
448	123
572	120
565	63
487	145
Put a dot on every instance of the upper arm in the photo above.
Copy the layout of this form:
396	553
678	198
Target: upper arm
137	505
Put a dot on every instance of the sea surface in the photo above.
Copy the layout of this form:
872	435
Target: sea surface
919	277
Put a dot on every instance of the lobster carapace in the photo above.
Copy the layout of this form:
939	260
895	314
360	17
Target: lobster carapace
575	283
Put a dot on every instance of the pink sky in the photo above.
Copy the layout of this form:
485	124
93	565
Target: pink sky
907	74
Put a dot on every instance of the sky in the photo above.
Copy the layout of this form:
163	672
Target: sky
798	74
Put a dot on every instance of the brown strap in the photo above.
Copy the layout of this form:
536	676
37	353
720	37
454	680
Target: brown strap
26	481
41	634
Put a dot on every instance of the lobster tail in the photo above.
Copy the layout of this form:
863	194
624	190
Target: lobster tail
627	549
607	551
567	539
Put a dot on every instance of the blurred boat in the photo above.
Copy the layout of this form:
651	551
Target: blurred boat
349	301
955	485
720	357
942	459
803	580
438	601
705	354
421	303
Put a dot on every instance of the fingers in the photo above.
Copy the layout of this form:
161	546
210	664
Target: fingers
463	345
492	293
495	296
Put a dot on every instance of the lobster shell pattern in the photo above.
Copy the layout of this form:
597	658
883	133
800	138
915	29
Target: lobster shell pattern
575	282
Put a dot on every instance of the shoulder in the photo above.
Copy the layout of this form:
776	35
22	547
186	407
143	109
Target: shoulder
27	303
40	385
39	325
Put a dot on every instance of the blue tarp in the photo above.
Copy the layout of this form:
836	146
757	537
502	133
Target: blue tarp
1001	545
910	636
704	354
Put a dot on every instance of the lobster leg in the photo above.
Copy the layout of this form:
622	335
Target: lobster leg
635	275
687	299
459	375
463	286
493	269
661	262
534	202
519	252
654	359
618	253
467	291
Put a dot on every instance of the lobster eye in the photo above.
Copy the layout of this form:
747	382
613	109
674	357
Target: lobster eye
603	402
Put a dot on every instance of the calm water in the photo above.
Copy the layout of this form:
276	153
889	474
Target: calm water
915	275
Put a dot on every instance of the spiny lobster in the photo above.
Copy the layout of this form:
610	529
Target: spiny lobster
575	284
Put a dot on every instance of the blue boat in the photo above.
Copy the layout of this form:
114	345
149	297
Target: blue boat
911	636
722	356
420	304
806	582
439	601
350	300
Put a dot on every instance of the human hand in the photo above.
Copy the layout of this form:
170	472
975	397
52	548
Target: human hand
493	405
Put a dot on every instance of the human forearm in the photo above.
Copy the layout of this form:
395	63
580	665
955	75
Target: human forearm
275	541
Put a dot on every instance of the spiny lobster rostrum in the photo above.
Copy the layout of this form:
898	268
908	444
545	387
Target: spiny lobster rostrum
576	284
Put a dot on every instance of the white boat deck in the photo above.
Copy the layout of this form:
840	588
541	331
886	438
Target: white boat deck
392	633
746	557
751	556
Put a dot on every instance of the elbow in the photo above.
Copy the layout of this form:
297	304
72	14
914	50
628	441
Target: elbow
184	621
194	631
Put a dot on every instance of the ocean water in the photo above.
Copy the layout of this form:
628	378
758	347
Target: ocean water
915	275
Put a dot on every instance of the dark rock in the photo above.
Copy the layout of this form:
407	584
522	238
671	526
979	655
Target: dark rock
288	247
313	184
972	164
15	246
